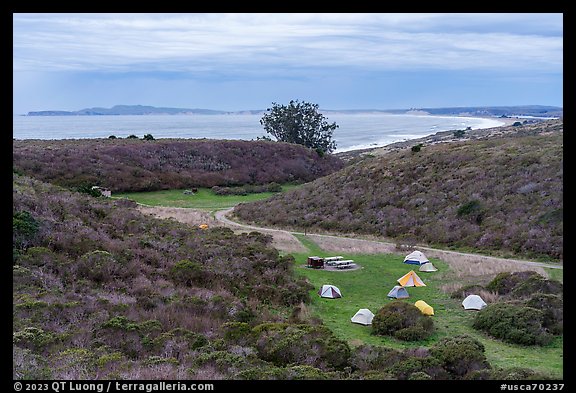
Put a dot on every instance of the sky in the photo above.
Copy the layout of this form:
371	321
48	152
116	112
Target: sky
246	61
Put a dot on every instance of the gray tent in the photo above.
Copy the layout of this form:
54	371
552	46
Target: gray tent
427	267
398	292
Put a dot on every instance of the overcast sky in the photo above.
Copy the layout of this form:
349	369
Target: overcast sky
247	61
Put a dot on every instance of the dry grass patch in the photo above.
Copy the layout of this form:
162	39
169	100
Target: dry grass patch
467	265
181	214
353	246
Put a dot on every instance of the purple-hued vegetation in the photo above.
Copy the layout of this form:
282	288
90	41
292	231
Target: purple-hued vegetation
140	165
502	195
101	291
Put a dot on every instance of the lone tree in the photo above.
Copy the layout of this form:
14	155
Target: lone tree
300	123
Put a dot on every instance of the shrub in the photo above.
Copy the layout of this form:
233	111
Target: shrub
459	133
33	338
473	210
24	229
397	316
552	307
513	323
505	282
411	365
367	357
187	272
517	373
417	148
537	284
132	136
316	346
99	266
412	333
460	355
148	137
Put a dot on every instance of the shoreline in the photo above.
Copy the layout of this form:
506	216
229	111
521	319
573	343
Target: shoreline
448	136
505	121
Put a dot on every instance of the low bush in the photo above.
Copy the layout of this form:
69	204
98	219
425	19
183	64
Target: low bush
537	284
403	321
460	355
552	307
505	282
368	357
24	229
316	346
513	323
507	374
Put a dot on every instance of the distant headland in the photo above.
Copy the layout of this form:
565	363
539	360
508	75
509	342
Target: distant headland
484	111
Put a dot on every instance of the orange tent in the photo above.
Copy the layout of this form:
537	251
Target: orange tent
424	307
411	279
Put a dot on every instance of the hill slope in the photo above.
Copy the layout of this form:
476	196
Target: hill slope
502	194
138	165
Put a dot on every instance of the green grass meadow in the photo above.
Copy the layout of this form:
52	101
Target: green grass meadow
368	288
204	199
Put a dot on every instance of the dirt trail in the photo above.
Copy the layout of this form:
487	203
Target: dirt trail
461	262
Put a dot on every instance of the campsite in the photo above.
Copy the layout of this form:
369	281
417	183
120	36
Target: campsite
368	288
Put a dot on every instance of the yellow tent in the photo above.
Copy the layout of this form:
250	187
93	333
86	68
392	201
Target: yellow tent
411	279
424	307
203	226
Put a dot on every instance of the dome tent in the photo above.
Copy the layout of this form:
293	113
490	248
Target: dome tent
363	317
398	292
473	302
416	258
411	279
330	291
427	267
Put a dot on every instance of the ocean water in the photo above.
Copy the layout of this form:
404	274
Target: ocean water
355	131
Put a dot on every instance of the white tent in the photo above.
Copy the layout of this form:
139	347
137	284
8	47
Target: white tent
427	267
363	317
416	258
473	302
329	291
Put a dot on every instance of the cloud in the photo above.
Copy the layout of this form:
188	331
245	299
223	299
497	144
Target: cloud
277	44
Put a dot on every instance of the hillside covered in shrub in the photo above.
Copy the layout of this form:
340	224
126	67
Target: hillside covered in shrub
148	165
502	194
101	291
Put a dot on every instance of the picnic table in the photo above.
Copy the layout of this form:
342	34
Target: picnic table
344	264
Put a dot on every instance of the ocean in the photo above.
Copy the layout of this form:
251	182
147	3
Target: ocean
355	131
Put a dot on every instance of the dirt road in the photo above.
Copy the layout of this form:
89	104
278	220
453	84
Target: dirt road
466	263
463	263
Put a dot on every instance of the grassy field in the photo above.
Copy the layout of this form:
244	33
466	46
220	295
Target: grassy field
203	199
368	288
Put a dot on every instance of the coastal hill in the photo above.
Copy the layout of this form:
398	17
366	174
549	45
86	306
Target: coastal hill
142	165
501	194
490	111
